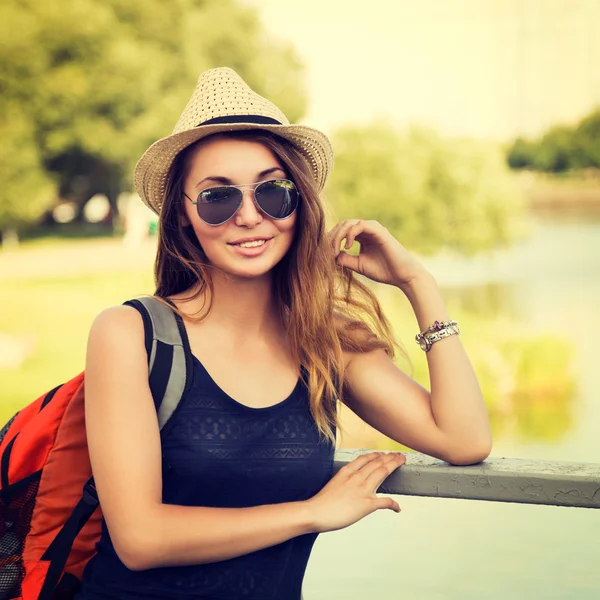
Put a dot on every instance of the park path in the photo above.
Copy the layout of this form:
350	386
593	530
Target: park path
75	257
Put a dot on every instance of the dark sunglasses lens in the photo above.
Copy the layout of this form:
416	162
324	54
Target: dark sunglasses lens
217	205
278	198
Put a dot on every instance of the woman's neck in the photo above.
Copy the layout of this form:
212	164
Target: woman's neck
246	308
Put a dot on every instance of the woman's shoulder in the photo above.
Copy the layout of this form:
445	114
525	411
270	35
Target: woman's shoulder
118	315
117	324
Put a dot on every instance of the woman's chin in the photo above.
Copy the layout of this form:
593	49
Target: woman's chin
251	270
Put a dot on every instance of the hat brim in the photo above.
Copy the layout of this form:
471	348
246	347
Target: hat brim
151	171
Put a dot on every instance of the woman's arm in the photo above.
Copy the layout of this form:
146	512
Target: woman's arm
451	422
457	404
125	452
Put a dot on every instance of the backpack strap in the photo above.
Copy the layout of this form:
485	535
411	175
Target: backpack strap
170	370
58	551
169	354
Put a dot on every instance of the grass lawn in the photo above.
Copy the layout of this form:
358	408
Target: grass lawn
55	313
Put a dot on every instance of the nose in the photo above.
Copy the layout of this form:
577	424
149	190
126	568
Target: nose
248	214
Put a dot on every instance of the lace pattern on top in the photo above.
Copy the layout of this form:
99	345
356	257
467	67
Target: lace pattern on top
218	452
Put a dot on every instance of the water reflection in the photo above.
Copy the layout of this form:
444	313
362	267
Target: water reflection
527	374
529	322
488	300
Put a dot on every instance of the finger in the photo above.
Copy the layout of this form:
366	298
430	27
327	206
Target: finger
401	458
333	231
379	474
341	234
387	502
358	463
371	228
348	260
382	458
352	232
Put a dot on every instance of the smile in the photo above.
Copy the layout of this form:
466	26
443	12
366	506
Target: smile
251	248
254	244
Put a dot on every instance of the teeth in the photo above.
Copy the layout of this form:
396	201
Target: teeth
254	244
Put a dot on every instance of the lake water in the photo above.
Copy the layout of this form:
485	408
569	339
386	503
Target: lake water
450	549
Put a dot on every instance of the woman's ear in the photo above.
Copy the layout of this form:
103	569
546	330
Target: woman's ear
183	220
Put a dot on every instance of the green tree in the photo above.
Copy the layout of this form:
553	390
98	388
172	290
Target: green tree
587	142
521	154
554	151
561	148
97	81
429	192
25	188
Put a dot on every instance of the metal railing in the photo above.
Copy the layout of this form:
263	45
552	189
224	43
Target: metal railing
496	479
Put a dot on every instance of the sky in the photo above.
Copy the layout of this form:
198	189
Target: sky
489	69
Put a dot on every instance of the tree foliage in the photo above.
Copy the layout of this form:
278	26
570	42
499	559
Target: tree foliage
97	81
429	192
561	148
25	188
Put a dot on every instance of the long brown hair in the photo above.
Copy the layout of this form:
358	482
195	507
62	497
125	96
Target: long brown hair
327	309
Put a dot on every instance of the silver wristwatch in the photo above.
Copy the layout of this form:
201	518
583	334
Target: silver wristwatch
426	339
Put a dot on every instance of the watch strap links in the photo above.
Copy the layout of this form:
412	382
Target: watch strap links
434	334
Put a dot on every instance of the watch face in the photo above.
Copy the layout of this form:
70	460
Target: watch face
423	343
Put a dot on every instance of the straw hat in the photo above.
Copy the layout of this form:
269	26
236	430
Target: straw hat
222	101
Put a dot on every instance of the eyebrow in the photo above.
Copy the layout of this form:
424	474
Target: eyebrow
227	181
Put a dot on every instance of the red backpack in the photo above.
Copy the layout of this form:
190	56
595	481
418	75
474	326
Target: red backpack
50	518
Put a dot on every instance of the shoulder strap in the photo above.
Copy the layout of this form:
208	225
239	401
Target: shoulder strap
169	354
170	369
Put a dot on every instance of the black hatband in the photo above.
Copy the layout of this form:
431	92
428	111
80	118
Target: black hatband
232	119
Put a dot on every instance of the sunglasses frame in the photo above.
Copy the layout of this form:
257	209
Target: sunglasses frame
253	187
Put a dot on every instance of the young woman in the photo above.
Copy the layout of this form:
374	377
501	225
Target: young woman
227	502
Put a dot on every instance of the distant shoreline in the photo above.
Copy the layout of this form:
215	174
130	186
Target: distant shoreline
547	192
564	199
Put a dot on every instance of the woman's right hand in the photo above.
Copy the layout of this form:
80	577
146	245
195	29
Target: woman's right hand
351	494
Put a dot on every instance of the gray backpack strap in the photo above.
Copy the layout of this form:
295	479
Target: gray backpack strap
169	355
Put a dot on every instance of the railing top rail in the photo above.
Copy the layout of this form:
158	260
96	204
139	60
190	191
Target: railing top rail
497	479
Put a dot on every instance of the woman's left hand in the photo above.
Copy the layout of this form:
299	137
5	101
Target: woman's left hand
381	257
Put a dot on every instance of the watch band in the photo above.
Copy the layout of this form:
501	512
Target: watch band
425	340
437	326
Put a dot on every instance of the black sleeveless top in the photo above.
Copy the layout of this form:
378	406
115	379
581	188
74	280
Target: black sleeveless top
218	452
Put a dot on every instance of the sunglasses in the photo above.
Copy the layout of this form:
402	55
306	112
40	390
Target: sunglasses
277	198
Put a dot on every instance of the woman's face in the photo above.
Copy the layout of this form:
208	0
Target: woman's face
220	161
